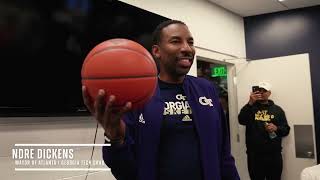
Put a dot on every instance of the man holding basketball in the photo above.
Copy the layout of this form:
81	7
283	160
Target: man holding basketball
180	133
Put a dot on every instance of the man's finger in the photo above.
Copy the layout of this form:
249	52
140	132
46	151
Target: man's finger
126	108
110	102
87	100
108	111
100	104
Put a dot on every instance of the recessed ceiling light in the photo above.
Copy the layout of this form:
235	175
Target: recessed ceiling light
281	0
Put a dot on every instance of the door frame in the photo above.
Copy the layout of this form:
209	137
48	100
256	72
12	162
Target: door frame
233	105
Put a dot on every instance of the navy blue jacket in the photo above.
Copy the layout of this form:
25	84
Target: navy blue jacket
137	159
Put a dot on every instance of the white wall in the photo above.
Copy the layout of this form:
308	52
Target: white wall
212	27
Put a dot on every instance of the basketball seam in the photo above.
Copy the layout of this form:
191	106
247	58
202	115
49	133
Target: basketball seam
137	101
110	48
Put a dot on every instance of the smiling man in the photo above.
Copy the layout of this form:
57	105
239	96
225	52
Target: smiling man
181	133
173	47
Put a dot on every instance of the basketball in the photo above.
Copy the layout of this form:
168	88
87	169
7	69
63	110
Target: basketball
122	68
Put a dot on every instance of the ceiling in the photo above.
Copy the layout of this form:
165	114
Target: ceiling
255	7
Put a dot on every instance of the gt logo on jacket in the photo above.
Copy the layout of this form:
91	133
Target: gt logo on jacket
205	101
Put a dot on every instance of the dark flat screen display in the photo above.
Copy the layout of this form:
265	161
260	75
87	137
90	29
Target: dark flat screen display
43	45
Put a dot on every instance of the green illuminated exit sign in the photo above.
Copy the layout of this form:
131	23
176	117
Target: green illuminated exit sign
219	71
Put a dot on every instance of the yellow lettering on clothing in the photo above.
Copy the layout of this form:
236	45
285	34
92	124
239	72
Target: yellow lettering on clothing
263	115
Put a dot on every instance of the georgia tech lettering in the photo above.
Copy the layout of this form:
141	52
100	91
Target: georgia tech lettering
179	107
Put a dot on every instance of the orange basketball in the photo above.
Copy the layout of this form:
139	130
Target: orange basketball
122	68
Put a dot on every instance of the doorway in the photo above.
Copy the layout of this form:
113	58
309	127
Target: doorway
217	74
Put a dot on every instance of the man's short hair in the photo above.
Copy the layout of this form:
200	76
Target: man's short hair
156	35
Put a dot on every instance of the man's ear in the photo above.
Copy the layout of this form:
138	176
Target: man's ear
156	51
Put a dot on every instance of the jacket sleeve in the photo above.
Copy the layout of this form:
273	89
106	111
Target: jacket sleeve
228	168
245	114
283	127
121	158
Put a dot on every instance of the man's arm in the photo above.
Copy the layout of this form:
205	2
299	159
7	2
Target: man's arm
121	157
245	114
118	127
283	128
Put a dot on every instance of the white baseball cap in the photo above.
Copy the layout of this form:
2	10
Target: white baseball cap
265	85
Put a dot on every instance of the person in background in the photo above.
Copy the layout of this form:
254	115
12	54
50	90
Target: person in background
180	133
266	125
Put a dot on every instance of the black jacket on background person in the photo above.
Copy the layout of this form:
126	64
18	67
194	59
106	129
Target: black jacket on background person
254	118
